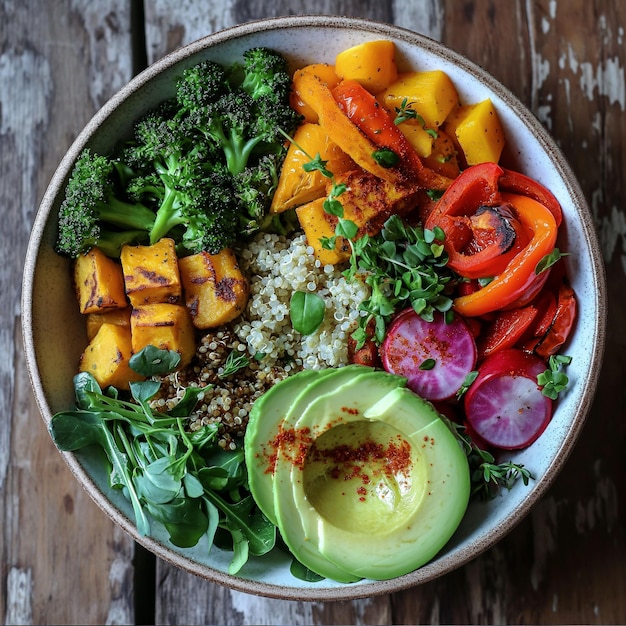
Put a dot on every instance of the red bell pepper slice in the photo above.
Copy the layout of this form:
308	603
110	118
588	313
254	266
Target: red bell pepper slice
562	322
471	252
518	183
519	278
365	112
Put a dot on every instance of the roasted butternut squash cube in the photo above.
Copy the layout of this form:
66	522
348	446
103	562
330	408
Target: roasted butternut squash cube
431	93
297	186
372	63
216	291
165	326
419	137
118	317
327	75
367	201
477	131
107	357
151	273
99	282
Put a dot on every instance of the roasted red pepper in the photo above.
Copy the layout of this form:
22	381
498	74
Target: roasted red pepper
479	247
519	282
505	330
365	112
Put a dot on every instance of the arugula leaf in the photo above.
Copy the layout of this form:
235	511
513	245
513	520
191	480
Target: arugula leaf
182	479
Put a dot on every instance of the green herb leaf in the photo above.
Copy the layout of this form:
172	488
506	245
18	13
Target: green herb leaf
307	311
554	380
234	362
152	361
386	157
549	260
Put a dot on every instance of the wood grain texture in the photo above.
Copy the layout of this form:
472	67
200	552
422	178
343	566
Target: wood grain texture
64	562
58	63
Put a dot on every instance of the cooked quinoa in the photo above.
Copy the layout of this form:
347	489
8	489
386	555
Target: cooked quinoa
276	266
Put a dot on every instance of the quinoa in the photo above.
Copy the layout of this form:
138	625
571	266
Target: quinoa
275	266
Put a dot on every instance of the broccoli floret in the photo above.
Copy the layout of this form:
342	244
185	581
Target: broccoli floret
176	178
266	75
217	225
200	86
94	213
254	188
243	110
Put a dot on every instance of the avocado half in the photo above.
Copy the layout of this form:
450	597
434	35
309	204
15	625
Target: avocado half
364	477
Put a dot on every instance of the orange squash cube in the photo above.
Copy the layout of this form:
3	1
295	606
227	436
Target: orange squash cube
477	131
151	273
164	326
119	317
432	94
107	357
99	282
216	291
372	63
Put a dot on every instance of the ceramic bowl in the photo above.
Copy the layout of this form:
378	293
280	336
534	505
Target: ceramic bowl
55	335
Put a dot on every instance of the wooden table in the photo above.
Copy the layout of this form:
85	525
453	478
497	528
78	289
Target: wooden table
63	561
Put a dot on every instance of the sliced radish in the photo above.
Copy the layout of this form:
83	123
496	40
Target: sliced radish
505	405
435	357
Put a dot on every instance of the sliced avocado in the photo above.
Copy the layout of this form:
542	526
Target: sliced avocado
411	502
265	425
264	421
338	399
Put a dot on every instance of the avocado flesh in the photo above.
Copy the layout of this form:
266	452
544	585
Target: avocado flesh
265	423
438	483
339	399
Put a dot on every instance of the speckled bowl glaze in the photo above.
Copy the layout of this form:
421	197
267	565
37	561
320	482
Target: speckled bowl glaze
54	333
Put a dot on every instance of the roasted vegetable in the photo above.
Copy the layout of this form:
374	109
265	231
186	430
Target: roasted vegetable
151	273
216	291
373	64
99	282
107	357
431	94
296	184
477	131
117	317
164	326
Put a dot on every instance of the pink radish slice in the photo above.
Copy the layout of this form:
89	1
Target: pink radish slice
411	344
505	405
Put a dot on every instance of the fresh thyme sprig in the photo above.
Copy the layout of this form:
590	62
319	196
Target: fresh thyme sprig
487	477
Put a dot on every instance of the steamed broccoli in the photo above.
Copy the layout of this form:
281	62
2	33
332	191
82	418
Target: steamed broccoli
236	113
180	184
94	211
265	75
201	168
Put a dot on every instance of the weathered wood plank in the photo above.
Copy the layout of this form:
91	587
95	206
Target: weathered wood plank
58	63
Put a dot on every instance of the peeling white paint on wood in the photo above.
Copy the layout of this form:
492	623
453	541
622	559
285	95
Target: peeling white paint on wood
19	590
110	61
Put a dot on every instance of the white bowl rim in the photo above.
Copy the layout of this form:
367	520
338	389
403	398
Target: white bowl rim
441	565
